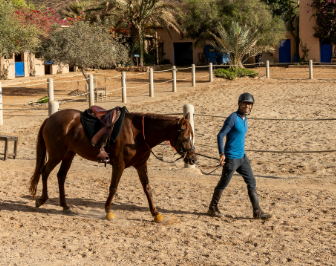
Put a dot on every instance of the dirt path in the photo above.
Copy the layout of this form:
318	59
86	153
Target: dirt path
298	188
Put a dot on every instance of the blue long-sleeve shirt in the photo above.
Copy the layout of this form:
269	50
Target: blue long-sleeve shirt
234	128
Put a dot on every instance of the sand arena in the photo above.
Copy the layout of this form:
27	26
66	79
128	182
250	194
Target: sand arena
299	189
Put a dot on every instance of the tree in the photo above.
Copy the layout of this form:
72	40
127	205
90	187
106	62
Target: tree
197	18
237	41
139	15
289	11
15	36
256	15
22	4
42	20
282	8
79	9
84	44
325	16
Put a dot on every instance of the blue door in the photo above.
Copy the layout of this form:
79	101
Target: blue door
19	69
326	50
285	51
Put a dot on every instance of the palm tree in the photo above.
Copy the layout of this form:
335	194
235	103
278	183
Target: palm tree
237	41
141	14
79	9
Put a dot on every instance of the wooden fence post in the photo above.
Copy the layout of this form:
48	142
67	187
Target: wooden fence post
188	108
193	72
91	90
53	107
151	83
50	96
267	69
311	69
123	86
174	79
210	73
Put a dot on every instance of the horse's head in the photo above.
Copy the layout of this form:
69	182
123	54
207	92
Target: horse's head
184	141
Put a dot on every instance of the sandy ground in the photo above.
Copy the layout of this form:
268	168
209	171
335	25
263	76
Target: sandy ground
299	189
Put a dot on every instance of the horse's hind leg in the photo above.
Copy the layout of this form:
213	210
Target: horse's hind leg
117	171
61	175
143	174
47	168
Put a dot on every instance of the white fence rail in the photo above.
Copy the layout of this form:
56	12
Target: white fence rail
53	104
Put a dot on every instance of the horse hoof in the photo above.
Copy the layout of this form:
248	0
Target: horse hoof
158	218
110	216
37	204
68	212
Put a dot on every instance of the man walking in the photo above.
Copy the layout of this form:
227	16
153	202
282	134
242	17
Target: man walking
233	157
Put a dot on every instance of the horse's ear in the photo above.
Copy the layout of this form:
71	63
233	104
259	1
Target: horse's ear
187	116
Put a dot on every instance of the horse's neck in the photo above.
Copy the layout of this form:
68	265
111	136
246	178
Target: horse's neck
158	130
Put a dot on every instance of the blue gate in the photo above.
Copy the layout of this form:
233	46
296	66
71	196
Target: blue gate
19	69
285	52
326	50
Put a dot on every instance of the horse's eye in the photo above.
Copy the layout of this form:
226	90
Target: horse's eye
184	140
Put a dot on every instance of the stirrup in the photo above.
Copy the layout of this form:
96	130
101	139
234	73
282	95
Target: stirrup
103	157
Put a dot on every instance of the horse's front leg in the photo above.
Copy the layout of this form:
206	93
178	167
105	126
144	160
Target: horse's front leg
117	171
143	174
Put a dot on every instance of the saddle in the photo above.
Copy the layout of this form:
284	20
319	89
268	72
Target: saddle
107	118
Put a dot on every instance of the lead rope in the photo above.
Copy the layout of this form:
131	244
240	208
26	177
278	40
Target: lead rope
217	166
143	133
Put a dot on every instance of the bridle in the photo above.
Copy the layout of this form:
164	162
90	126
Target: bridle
182	151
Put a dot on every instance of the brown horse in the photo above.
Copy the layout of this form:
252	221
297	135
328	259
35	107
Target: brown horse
62	136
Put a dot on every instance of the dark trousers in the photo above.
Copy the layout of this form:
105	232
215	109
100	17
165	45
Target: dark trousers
243	167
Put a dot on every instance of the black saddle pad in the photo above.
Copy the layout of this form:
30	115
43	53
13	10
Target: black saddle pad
92	125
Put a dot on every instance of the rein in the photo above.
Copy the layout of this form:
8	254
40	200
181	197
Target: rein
143	133
206	156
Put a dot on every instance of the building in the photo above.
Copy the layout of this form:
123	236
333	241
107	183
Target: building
181	52
25	65
319	50
176	50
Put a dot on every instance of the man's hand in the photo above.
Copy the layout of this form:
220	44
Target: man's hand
222	160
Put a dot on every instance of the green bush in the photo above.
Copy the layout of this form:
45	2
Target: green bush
232	73
44	99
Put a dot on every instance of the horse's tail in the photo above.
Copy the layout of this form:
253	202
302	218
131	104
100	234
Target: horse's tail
40	161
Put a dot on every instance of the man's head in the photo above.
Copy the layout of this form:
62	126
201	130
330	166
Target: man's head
245	103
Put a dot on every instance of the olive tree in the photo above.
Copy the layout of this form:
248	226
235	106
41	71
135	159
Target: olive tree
85	45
